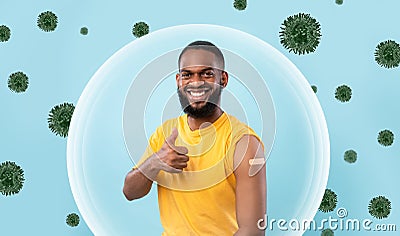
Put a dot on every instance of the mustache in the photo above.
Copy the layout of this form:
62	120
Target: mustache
204	86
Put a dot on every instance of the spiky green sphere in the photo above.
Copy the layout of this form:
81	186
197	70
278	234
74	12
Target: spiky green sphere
60	117
314	88
387	54
300	33
350	156
329	201
379	207
343	93
327	232
11	178
18	82
72	220
240	5
5	33
84	31
47	21
339	2
140	29
385	137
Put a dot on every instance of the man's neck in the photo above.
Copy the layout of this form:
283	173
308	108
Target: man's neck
197	123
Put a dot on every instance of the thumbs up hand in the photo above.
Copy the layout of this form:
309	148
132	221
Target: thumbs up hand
173	158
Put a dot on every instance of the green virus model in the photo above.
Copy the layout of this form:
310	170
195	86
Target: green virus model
379	207
240	4
84	31
327	232
339	2
350	156
72	220
60	118
314	88
343	93
385	137
18	82
329	201
11	178
140	29
300	33
5	33
47	21
387	54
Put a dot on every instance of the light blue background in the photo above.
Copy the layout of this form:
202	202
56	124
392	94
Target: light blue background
59	65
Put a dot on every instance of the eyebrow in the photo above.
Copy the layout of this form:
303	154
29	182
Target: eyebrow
208	68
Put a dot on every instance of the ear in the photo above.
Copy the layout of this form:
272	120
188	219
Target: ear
224	79
177	78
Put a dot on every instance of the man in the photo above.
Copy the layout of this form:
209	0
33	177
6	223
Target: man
208	165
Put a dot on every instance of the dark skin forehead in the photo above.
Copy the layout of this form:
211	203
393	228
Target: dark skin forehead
199	57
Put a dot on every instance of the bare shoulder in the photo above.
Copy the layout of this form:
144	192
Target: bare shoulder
248	155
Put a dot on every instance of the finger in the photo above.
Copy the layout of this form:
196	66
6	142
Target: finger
181	149
171	142
171	139
180	166
182	158
170	169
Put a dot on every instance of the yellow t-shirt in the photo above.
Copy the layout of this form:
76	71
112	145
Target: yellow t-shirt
201	199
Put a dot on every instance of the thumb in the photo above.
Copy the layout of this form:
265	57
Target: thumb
172	138
171	142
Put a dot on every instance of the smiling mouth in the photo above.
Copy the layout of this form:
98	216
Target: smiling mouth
197	94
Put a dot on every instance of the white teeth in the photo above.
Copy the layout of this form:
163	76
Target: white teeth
196	94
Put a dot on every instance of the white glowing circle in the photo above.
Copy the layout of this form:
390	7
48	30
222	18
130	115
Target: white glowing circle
98	160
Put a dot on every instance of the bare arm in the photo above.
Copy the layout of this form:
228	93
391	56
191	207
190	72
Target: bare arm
250	185
137	184
169	158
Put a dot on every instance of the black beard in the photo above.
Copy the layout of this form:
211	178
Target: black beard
205	111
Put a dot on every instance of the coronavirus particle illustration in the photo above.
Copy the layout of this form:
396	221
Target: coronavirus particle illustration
339	2
314	88
140	29
379	207
329	201
327	232
240	4
47	21
72	220
343	93
385	137
5	33
387	54
11	178
18	82
300	33
350	156
84	31
60	118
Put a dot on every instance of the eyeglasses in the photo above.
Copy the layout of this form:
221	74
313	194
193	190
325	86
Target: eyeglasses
204	74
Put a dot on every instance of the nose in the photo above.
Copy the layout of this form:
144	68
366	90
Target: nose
196	83
196	77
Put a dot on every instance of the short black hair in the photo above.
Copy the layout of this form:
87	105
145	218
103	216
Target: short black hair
205	45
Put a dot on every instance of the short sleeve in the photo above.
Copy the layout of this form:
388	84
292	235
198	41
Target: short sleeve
237	134
154	144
